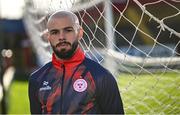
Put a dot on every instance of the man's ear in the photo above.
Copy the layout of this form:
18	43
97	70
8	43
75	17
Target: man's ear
48	36
80	34
45	36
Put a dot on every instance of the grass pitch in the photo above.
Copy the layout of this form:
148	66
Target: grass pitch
151	94
18	102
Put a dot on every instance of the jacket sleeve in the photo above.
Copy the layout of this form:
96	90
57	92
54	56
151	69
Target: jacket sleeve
108	96
35	106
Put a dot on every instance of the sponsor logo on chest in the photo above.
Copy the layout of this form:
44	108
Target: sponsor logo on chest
45	86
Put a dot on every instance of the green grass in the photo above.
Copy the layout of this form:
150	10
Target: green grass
18	98
157	94
152	94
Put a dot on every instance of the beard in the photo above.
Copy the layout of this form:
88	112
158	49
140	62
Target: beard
63	53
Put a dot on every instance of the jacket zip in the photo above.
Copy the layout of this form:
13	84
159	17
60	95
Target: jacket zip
63	66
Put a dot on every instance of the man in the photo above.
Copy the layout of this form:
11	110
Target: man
71	83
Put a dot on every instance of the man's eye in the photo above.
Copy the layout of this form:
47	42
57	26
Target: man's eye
54	32
68	30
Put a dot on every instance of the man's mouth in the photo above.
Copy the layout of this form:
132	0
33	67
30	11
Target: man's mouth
62	44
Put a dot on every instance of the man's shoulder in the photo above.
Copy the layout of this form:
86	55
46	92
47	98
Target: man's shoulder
95	67
98	72
91	63
39	71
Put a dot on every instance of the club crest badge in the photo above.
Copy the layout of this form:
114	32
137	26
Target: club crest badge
80	85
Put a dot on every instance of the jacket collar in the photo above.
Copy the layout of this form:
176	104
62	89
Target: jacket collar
75	60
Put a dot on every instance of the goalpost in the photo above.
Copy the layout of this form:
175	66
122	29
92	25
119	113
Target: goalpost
132	38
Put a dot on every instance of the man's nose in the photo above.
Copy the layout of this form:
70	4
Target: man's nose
61	35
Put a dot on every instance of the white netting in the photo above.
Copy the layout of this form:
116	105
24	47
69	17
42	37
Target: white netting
138	37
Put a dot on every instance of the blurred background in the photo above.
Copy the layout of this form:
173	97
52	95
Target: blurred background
17	58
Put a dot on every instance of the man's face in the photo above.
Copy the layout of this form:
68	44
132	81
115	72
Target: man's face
63	37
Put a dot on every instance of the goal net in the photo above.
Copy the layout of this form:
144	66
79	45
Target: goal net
137	40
